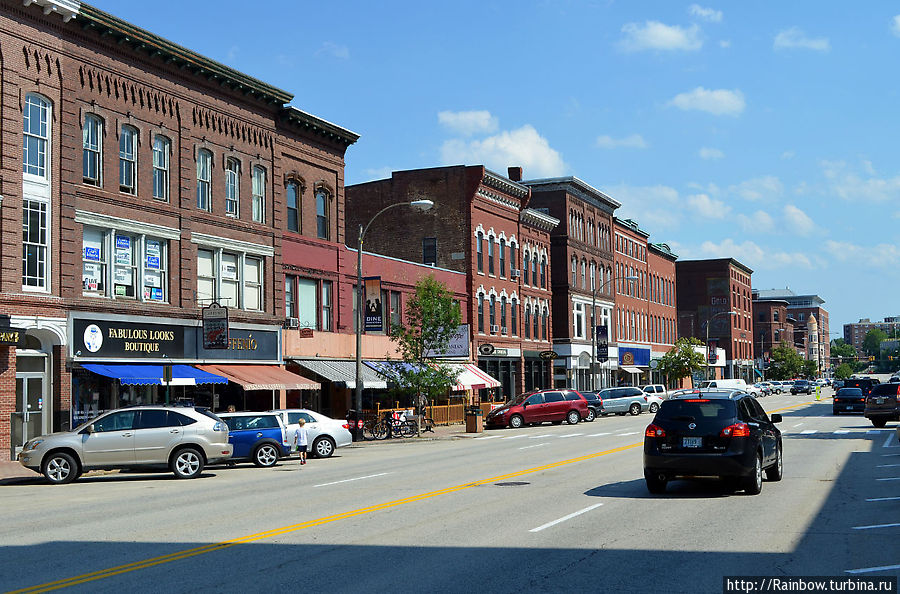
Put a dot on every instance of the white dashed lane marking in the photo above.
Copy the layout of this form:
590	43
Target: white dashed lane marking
537	445
872	569
883	499
894	525
564	518
809	431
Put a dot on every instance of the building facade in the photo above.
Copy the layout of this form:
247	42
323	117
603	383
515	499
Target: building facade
707	292
812	333
855	332
478	226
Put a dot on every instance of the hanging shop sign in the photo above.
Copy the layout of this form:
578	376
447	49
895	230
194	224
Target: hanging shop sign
374	314
215	326
486	349
549	355
602	341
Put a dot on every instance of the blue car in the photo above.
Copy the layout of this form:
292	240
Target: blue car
257	437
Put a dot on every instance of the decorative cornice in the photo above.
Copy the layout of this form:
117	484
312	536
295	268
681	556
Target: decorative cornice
504	184
310	123
67	9
576	187
498	198
662	249
232	244
630	224
119	224
536	218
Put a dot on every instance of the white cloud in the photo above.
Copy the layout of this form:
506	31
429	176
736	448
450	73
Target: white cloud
653	35
795	38
708	207
710	154
758	222
653	207
799	221
725	43
341	52
848	184
895	25
758	188
522	147
468	123
882	256
751	254
716	102
632	141
707	14
788	155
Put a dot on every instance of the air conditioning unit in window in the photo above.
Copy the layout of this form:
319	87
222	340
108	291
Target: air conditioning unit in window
495	328
503	330
514	273
292	323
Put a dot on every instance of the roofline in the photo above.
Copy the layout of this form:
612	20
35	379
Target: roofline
536	218
319	126
571	180
155	46
503	183
662	249
743	267
625	223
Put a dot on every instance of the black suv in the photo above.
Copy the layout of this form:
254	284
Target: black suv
883	404
718	433
802	386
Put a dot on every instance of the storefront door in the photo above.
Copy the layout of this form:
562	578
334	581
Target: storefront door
29	420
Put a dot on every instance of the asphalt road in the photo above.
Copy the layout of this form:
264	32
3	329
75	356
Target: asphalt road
548	508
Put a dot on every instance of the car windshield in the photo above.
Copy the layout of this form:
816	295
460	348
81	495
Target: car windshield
693	409
849	392
590	396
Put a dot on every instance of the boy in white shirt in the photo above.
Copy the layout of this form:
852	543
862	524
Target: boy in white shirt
301	436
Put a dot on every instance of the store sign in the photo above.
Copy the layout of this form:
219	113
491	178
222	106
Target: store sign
374	313
548	355
105	339
486	349
215	326
458	345
12	336
634	356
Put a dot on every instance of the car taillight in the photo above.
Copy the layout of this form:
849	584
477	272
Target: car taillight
697	400
645	399
654	431
736	430
346	425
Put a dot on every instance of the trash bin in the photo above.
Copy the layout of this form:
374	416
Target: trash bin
355	423
474	419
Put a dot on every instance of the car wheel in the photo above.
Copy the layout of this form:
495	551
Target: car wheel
265	455
879	422
753	483
656	483
323	447
590	416
654	407
187	463
573	417
60	468
635	409
516	421
776	471
834	411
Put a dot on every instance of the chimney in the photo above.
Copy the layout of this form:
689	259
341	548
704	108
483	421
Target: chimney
514	173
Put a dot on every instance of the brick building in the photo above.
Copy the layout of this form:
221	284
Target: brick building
480	225
773	326
152	181
855	332
706	291
662	303
582	264
812	333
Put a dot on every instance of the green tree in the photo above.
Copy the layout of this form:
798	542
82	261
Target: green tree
432	318
872	343
784	362
682	360
810	369
843	371
839	348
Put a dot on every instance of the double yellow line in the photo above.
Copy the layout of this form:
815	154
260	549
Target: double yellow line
210	548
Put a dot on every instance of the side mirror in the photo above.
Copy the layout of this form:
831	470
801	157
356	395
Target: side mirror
89	429
776	418
525	404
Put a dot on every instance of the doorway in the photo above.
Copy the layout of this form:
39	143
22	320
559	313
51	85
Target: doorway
32	400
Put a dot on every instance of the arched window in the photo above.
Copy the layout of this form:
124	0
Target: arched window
536	320
36	120
204	179
526	262
481	312
503	327
162	148
492	312
574	272
490	254
534	278
583	273
543	272
512	258
92	150
514	317
502	257
232	187
593	276
479	250
527	321
323	216
128	160
545	316
293	205
258	206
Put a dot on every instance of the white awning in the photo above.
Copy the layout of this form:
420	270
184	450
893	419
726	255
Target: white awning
471	377
631	369
343	371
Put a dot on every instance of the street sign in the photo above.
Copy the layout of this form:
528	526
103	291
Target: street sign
215	326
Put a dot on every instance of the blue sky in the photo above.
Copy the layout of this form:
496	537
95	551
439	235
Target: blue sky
762	131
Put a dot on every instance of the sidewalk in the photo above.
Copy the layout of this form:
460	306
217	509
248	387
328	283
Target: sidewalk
11	469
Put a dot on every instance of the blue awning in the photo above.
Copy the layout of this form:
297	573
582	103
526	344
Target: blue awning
143	375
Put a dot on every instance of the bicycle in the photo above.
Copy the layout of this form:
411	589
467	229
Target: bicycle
393	427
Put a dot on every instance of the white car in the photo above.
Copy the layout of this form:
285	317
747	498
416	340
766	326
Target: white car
325	434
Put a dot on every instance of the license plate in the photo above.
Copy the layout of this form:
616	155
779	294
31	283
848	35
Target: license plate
849	407
879	401
691	442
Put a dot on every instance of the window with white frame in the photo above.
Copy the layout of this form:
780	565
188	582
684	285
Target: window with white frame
35	244
527	321
306	299
323	220
162	148
327	307
232	187
293	206
231	279
492	311
92	150
204	179
526	263
479	251
36	120
502	253
128	160
514	317
133	265
503	327
94	262
290	301
574	271
490	244
258	204
578	319
253	283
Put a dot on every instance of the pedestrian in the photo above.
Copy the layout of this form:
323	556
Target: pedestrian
231	408
301	436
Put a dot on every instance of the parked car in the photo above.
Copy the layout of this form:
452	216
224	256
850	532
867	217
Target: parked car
837	384
732	384
758	389
801	387
257	437
325	433
883	404
627	399
722	433
555	406
770	388
656	393
848	400
184	439
595	405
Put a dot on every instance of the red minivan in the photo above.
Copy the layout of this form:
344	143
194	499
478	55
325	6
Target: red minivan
554	406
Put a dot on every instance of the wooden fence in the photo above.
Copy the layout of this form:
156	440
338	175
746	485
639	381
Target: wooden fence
443	414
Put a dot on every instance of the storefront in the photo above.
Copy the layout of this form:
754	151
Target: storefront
502	364
537	370
118	361
634	365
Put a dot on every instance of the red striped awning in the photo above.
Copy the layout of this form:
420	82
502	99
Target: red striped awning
262	377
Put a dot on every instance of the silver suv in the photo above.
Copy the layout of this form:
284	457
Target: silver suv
184	439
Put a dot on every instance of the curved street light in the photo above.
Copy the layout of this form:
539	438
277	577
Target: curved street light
421	205
721	313
594	290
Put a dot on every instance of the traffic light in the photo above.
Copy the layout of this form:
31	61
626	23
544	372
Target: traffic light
871	358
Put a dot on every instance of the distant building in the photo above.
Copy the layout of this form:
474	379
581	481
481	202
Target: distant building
812	340
855	333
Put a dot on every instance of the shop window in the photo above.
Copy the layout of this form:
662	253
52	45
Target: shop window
35	244
162	148
92	150
94	262
137	268
128	160
36	120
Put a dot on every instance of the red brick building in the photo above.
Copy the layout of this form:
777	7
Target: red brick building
706	291
152	182
773	326
662	303
812	330
480	225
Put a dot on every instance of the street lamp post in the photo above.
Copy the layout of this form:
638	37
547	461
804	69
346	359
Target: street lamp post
721	313
421	205
594	290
